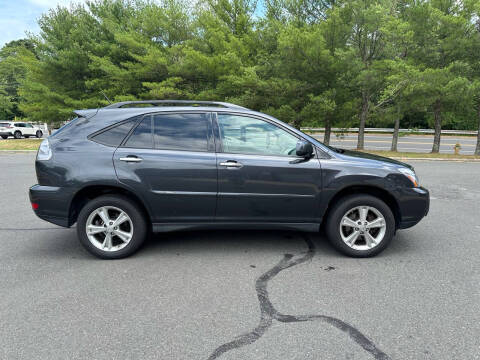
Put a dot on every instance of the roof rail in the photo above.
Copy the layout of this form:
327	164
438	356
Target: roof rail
176	102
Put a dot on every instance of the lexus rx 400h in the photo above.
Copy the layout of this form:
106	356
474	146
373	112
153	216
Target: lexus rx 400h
132	168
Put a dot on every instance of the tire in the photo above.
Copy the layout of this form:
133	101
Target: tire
96	243
38	134
4	136
17	135
366	241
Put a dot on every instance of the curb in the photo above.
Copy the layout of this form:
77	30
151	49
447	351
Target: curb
435	159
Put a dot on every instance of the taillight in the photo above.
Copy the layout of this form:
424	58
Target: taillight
34	206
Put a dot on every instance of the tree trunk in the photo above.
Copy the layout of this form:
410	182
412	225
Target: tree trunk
363	120
328	131
477	149
395	134
437	113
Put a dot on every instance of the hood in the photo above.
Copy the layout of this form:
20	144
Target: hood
370	157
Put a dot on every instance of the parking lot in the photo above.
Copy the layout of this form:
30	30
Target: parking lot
243	295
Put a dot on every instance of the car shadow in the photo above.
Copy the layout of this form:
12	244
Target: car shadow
239	240
64	243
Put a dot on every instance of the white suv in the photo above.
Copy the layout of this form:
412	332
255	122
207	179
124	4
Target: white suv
19	129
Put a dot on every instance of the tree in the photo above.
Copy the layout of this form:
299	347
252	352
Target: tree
368	21
476	103
12	71
443	33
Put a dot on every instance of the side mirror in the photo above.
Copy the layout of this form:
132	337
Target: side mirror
304	149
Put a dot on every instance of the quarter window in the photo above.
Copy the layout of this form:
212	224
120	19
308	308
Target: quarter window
115	135
246	135
142	135
181	132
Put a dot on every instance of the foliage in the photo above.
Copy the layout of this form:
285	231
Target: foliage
308	62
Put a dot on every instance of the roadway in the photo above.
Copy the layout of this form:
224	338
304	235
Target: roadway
410	143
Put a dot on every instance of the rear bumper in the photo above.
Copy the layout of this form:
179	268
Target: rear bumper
414	206
5	133
53	203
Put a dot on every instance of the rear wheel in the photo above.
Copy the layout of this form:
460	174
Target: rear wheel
360	225
17	134
39	134
4	136
111	227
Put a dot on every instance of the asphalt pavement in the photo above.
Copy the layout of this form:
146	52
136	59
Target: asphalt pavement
243	294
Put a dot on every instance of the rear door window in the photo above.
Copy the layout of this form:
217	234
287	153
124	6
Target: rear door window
181	131
114	136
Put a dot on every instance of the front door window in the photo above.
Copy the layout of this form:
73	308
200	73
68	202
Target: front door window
247	135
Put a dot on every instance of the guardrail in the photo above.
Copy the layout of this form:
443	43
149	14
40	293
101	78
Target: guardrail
388	130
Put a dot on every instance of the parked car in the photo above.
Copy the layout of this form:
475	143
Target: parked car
19	129
124	170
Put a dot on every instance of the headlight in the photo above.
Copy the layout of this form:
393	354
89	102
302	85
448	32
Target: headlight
44	151
410	174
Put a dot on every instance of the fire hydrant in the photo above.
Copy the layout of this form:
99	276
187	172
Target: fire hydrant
456	148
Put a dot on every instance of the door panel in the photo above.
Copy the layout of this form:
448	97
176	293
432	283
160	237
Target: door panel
178	185
269	186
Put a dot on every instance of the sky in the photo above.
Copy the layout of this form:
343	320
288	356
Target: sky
20	16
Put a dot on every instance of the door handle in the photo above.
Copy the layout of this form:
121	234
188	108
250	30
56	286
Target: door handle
231	164
131	159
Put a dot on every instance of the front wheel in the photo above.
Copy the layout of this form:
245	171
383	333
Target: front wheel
111	227
360	226
38	134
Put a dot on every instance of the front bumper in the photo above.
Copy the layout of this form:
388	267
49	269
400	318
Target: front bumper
53	203
414	206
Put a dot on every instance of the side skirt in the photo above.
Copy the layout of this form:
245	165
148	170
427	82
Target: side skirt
167	227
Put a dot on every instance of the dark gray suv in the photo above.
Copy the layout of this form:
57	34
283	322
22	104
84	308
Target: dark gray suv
133	167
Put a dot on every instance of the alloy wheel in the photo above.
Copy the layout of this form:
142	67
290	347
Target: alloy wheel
362	228
109	228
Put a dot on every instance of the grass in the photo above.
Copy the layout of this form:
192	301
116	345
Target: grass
413	155
20	144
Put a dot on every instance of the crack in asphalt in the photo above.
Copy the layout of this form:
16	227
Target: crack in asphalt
268	313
